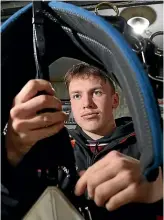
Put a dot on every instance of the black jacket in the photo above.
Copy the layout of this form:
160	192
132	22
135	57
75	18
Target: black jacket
22	182
123	140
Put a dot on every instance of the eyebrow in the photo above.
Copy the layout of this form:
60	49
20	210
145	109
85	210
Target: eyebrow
76	91
92	89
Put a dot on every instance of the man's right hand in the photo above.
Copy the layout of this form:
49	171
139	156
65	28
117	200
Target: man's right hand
25	126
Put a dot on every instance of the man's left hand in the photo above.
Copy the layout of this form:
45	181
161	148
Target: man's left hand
117	180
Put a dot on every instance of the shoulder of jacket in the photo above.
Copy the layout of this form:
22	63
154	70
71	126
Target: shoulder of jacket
129	137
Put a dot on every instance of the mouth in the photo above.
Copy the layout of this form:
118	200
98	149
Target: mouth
90	115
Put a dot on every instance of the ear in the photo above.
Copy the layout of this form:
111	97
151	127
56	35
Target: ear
115	100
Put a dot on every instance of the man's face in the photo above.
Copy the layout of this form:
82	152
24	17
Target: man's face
92	102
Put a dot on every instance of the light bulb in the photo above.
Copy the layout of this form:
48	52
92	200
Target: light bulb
139	24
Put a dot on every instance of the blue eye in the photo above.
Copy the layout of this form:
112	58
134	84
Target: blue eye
98	92
76	96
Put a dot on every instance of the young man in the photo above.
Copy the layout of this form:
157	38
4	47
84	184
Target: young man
106	155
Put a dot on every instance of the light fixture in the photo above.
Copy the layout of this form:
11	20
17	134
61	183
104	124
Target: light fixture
139	24
139	17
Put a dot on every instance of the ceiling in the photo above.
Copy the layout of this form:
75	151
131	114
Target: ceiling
157	25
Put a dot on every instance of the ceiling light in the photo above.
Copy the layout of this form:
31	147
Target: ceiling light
139	24
139	17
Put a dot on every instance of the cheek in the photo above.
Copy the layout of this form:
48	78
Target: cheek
75	110
105	106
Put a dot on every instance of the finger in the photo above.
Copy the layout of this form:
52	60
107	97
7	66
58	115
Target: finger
81	184
32	88
106	161
99	177
39	121
113	159
34	105
42	133
48	119
106	190
110	158
122	198
31	137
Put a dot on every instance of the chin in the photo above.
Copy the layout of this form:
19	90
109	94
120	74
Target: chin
91	127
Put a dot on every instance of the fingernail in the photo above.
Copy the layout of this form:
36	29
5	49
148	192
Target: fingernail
89	197
67	112
76	191
66	115
58	106
53	90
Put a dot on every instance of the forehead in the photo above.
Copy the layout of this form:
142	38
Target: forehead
86	82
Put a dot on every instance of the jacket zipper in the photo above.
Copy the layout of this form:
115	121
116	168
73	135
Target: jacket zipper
92	160
111	147
103	151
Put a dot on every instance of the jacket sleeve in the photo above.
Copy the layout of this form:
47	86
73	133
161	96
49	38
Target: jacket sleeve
17	184
24	183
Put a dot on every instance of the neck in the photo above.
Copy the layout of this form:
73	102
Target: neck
106	130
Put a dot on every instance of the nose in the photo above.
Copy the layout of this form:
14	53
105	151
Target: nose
88	101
